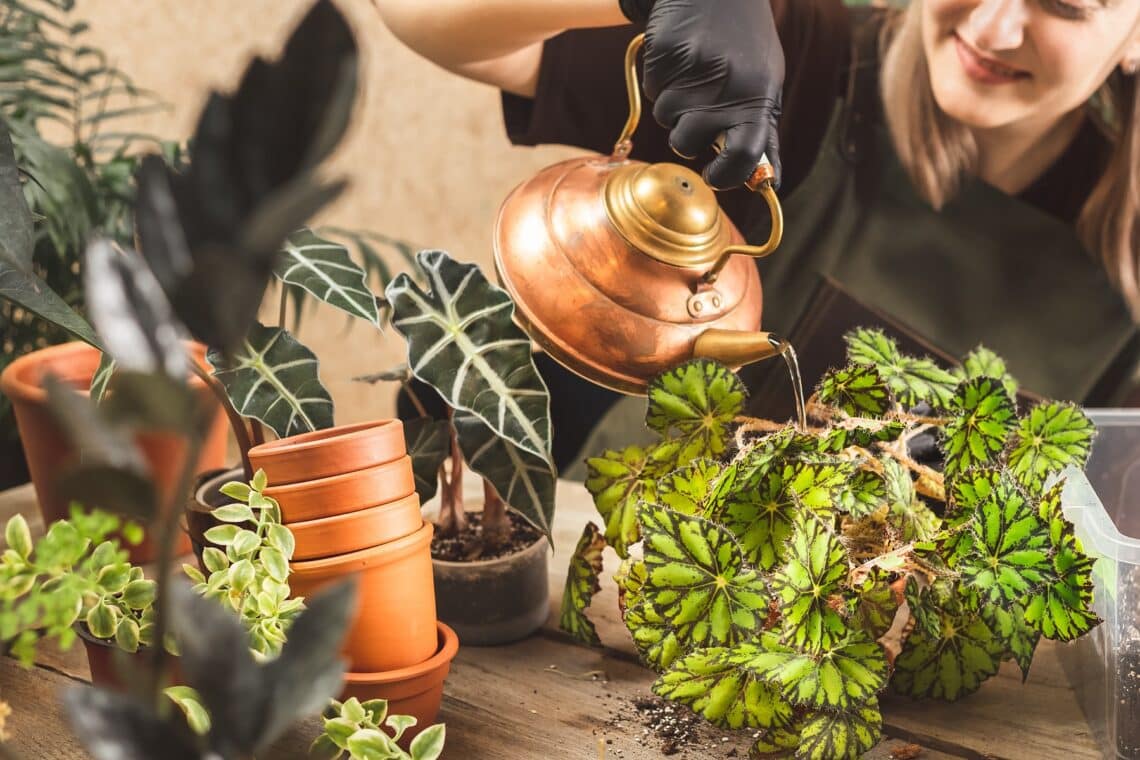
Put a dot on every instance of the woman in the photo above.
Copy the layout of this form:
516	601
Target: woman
958	172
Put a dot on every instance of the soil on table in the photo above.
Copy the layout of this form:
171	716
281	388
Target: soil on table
468	545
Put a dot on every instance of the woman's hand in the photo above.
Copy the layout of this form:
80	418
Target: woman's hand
714	67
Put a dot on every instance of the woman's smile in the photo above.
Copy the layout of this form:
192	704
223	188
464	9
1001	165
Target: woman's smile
985	70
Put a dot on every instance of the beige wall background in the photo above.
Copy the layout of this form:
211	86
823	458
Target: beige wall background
426	154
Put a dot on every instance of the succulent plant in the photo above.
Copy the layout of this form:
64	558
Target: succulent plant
779	579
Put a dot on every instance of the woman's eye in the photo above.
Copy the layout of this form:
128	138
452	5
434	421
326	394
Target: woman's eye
1067	10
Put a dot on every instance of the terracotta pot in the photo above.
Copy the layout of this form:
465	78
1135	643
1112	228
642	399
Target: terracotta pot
365	528
394	625
205	496
495	601
344	493
416	690
102	659
325	453
49	452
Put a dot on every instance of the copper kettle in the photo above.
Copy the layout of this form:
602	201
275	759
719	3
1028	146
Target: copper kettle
621	269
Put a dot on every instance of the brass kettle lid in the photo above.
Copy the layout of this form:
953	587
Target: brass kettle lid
667	212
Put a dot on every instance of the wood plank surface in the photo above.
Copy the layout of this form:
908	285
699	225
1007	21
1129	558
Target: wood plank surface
548	698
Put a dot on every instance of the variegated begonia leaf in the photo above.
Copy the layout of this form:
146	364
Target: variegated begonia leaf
462	342
581	585
982	362
840	678
808	585
847	735
523	480
698	581
875	605
857	390
619	481
693	405
778	742
923	608
273	379
982	415
911	380
838	438
1050	512
428	443
658	643
866	494
1014	632
760	514
1062	609
953	663
1051	437
689	489
717	685
1010	552
913	519
324	269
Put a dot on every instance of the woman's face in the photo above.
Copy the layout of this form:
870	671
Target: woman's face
1000	63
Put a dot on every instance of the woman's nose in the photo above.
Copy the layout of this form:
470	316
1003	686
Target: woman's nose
997	25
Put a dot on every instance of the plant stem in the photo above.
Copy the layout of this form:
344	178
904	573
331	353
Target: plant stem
452	519
496	524
415	399
281	311
168	532
258	431
237	424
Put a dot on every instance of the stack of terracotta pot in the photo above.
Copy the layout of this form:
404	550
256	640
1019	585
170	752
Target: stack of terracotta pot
348	496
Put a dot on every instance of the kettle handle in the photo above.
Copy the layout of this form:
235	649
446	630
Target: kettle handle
760	181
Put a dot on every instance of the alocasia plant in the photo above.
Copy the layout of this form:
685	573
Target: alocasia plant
780	578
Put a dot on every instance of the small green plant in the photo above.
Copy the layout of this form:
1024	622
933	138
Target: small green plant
251	576
365	731
77	574
779	579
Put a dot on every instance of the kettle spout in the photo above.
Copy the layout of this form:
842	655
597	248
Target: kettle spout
738	347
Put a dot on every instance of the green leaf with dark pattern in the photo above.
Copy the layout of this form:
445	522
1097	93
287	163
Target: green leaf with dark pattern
778	742
581	585
463	342
836	439
658	643
1050	438
1009	555
866	494
827	735
102	377
911	380
907	513
715	684
875	605
813	573
838	679
619	481
983	415
1015	634
324	269
982	362
428	443
273	379
951	664
696	578
857	390
921	602
689	489
523	480
1062	610
1050	512
695	404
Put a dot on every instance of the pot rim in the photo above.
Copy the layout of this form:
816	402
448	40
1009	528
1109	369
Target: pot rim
524	553
290	489
198	503
445	653
318	438
364	559
349	516
15	385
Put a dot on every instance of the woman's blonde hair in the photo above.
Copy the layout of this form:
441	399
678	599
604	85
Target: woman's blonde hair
938	151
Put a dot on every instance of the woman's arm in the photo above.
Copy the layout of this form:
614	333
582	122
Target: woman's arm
498	42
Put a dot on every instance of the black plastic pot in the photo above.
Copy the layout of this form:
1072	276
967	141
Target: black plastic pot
494	601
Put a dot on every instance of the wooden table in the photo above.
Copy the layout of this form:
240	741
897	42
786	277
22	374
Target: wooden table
548	698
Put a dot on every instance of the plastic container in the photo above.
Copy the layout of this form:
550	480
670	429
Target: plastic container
1104	507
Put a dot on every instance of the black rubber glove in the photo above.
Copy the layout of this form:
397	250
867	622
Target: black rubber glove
713	67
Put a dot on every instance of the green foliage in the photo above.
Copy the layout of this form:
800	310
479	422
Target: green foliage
581	585
76	574
365	731
250	575
775	562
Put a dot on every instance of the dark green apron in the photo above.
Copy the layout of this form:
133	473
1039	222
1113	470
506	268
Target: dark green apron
862	248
